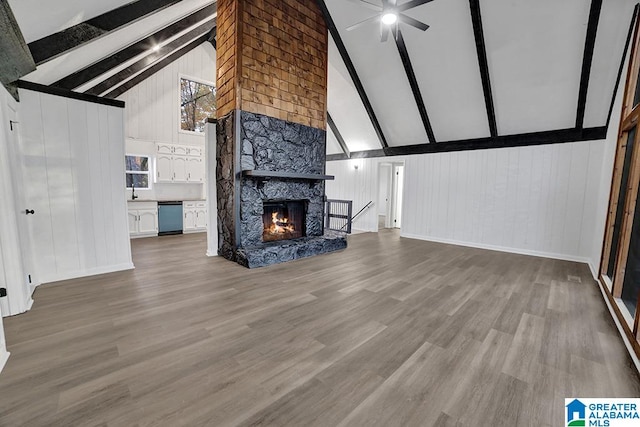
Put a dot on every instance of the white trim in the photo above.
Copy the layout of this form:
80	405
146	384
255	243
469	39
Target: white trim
4	356
179	101
627	344
552	255
211	254
88	272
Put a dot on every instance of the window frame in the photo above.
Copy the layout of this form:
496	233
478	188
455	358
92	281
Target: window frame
147	172
629	119
179	100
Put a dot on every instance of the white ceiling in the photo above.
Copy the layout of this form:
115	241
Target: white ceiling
534	54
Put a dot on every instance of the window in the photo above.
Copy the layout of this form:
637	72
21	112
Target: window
137	171
197	104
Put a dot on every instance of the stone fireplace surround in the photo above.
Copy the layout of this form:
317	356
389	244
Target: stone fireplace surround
252	143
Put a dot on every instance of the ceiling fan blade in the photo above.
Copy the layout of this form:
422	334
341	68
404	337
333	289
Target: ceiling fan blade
392	3
368	5
411	4
361	23
384	32
413	22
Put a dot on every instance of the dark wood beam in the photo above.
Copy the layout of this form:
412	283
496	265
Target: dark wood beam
156	67
338	135
150	59
587	59
213	36
352	72
413	82
15	58
632	25
481	50
22	84
93	71
505	141
54	45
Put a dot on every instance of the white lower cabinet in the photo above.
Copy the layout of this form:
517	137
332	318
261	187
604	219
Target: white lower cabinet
195	217
143	219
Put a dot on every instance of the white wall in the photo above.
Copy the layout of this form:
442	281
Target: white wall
73	163
530	200
152	115
536	200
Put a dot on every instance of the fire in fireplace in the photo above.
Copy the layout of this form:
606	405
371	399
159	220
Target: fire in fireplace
283	219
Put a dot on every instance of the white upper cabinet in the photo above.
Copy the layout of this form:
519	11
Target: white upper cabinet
179	164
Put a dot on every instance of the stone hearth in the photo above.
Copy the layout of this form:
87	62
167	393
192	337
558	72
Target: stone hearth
254	142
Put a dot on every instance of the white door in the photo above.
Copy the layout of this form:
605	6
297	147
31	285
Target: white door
201	218
398	183
147	221
189	219
195	169
133	222
164	171
179	169
25	211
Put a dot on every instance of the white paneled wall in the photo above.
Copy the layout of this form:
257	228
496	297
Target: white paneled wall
152	107
359	185
73	167
537	200
529	199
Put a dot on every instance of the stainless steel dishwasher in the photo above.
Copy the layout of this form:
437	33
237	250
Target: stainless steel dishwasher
169	218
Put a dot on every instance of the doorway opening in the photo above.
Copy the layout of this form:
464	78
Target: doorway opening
390	188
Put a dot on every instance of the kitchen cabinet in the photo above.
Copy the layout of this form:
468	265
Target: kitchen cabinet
179	164
143	219
195	216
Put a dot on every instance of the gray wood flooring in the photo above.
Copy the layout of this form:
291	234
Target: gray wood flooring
390	332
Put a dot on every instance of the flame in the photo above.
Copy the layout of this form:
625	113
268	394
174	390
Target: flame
280	225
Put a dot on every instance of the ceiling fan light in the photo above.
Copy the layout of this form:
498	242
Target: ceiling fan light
389	18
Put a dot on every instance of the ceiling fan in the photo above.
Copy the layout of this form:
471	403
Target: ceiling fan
390	14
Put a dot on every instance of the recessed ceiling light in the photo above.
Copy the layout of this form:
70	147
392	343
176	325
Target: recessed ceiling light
156	48
389	18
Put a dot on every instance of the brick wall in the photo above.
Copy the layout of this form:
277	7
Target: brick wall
282	71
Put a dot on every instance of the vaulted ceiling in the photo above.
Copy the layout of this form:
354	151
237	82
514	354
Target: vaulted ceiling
487	73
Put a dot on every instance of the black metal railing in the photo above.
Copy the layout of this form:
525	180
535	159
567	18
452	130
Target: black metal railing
338	215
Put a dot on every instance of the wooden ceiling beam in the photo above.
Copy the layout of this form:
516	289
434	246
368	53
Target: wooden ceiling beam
338	135
93	71
505	141
156	67
481	50
587	60
54	45
151	58
352	72
413	83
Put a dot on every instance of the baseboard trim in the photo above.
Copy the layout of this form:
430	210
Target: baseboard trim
4	356
211	254
621	331
540	254
87	273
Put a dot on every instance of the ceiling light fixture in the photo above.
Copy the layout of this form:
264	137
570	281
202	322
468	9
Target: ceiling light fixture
156	48
389	18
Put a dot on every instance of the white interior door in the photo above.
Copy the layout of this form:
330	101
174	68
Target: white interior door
398	184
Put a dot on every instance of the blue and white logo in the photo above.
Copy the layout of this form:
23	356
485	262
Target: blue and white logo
581	412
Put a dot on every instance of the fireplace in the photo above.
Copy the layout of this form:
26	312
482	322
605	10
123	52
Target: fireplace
283	219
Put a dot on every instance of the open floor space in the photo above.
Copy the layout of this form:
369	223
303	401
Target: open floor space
391	331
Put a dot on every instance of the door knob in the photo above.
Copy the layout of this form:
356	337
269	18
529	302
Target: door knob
30	212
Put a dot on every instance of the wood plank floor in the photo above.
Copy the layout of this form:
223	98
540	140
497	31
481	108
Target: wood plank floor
389	332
